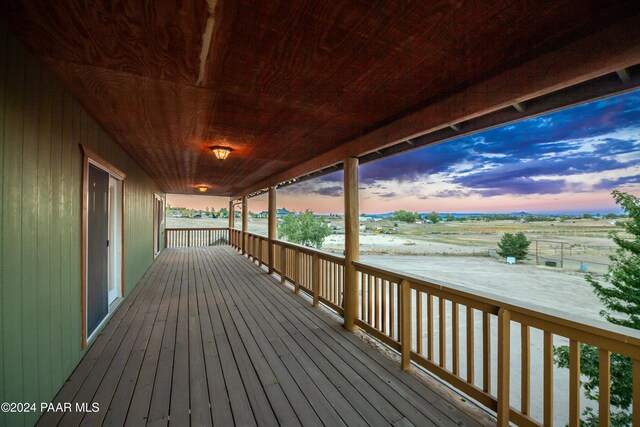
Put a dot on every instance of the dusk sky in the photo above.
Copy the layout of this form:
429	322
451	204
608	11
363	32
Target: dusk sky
568	161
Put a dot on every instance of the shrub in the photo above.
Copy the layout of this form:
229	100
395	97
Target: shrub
304	229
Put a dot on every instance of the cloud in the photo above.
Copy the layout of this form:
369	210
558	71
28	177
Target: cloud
524	186
333	191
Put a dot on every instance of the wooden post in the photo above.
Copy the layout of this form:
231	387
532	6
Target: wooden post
352	242
245	224
273	232
315	278
231	215
405	322
504	365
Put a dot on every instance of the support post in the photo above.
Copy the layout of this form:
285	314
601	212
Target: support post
352	242
273	232
245	224
231	214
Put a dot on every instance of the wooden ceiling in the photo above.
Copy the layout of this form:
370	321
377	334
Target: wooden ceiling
285	82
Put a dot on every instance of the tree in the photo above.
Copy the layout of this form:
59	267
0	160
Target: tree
619	295
305	229
515	245
224	212
434	217
406	216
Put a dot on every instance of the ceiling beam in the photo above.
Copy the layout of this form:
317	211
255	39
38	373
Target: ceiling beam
595	55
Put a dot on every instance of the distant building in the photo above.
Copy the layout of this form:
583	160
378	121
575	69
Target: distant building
279	213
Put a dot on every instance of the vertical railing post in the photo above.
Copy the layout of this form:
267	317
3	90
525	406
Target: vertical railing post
245	224
504	365
405	322
352	242
315	278
188	238
166	236
272	233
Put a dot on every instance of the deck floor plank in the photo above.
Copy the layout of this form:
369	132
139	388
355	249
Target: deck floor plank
207	338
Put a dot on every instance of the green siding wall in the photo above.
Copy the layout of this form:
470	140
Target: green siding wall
41	127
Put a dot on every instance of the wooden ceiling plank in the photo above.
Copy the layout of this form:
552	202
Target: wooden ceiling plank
598	54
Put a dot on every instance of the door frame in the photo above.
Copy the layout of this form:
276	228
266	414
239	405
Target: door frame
90	157
156	227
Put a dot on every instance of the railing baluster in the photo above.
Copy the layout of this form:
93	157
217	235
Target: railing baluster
486	352
604	388
383	291
470	344
405	340
525	368
315	279
548	378
455	338
635	409
430	354
283	264
369	300
504	365
377	302
418	322
574	383
442	317
392	310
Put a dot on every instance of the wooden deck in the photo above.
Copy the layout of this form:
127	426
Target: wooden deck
207	338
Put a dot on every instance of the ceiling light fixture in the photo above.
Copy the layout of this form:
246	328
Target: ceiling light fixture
220	152
203	188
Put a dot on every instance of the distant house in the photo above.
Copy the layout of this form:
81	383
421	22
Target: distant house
282	212
279	213
364	218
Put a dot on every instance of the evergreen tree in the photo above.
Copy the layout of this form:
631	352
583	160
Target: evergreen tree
620	295
515	245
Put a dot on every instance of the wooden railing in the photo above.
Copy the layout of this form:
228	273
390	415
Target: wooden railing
455	333
191	237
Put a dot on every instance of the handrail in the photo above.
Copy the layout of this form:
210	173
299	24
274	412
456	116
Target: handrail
412	315
301	248
597	327
192	237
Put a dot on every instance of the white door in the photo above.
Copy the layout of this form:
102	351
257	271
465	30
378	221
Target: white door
115	243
